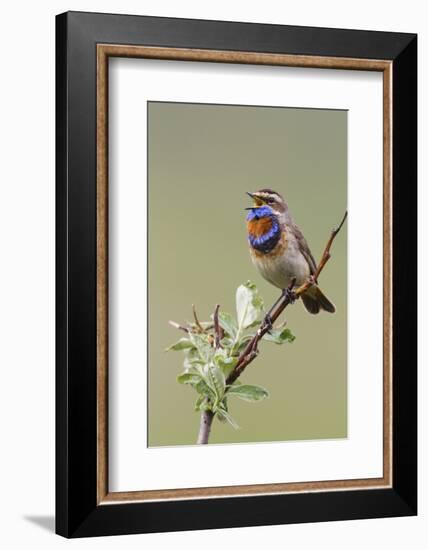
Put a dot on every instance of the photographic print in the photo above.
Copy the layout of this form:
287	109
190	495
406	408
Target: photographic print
247	338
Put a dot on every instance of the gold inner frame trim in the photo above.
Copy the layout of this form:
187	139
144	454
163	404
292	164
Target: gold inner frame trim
104	51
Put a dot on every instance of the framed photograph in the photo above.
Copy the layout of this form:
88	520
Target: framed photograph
236	242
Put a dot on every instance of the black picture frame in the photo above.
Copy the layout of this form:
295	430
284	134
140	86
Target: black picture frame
77	511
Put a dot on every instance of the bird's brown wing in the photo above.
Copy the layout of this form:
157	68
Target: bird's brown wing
304	249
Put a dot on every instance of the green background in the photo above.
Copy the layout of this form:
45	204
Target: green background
201	160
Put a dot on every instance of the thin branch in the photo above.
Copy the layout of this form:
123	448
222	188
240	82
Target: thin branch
197	323
179	327
205	427
326	254
218	331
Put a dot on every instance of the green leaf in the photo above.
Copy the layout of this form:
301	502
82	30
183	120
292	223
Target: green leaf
254	324
248	392
225	364
227	343
279	336
223	415
220	353
204	390
201	343
227	323
198	402
217	380
249	305
190	361
183	343
188	378
205	387
242	343
222	407
202	404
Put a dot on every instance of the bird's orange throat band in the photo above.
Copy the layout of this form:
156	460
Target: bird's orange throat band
258	227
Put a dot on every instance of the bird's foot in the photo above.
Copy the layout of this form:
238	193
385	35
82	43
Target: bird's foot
289	295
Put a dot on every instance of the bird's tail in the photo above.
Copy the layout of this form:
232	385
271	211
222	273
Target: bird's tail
314	300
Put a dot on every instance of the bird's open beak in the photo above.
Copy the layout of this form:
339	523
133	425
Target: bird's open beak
258	201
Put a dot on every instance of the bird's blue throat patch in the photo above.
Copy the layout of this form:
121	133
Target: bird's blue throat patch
259	212
264	231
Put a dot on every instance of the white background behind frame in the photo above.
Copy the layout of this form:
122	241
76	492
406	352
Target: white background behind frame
133	466
29	521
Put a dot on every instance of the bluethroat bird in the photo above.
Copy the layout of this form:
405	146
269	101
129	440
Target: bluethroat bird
279	250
